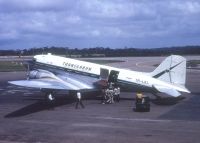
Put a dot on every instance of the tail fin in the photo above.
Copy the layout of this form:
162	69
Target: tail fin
172	70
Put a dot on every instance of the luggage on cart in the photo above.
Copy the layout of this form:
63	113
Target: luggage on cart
142	104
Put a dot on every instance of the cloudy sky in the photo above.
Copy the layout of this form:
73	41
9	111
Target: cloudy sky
91	23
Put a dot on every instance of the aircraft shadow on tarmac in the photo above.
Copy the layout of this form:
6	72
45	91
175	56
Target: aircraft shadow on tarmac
160	101
188	110
37	107
195	93
41	105
167	100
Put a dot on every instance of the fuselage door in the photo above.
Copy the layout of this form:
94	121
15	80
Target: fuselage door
113	76
104	73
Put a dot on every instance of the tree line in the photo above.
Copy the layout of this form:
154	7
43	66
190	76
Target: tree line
104	52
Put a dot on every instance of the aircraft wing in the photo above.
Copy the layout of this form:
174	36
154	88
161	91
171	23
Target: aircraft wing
64	81
40	83
169	91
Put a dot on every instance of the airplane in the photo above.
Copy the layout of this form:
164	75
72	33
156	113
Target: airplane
52	73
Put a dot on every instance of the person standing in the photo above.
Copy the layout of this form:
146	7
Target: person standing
103	96
79	100
111	96
118	94
115	94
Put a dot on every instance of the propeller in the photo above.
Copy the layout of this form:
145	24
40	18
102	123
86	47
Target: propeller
28	72
27	65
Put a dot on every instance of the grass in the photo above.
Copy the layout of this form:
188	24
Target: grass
102	61
191	64
9	66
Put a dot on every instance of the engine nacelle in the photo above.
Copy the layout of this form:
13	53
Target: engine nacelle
35	74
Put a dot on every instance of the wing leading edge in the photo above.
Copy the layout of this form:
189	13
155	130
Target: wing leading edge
39	83
49	83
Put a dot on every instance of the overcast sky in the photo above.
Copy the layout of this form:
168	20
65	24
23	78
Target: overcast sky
91	23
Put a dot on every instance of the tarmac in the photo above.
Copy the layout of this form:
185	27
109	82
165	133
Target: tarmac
26	117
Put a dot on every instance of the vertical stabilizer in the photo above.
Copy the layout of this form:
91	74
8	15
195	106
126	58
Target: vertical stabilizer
172	70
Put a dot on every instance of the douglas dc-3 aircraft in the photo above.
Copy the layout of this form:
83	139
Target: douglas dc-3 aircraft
52	73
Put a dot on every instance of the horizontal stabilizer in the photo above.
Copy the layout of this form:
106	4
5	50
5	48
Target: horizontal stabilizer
181	88
169	91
